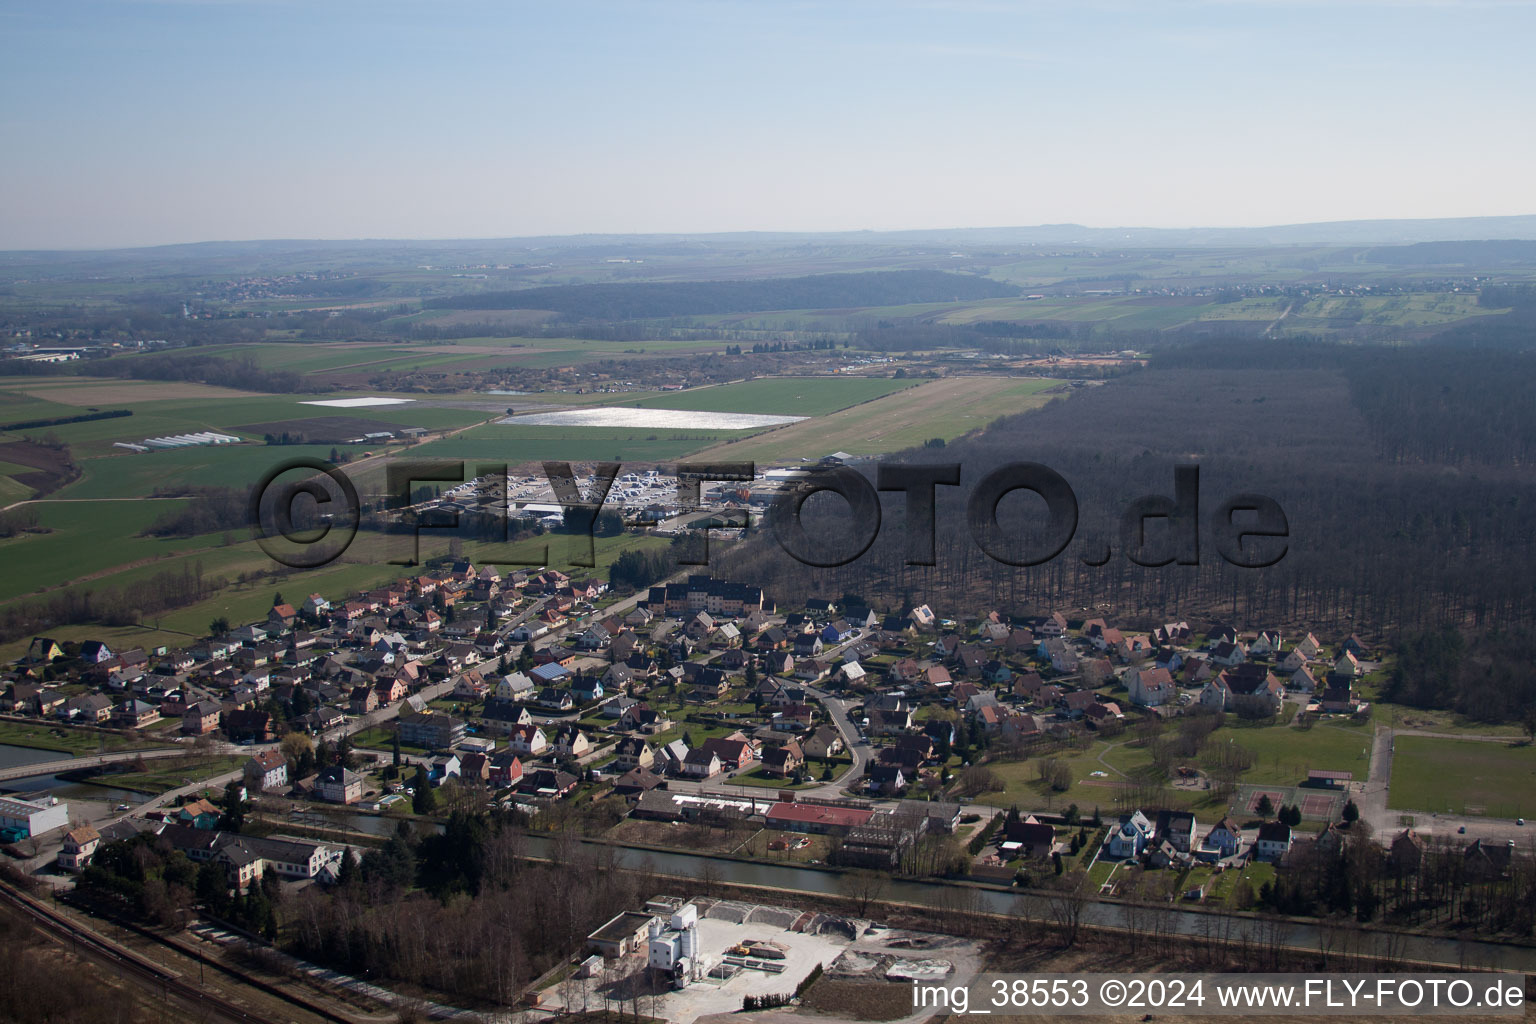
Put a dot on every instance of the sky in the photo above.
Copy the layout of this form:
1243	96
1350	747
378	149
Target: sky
144	122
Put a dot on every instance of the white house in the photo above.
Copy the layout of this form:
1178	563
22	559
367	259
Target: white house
1274	841
1131	836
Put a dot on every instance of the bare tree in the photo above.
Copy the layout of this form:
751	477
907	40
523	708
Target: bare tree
1067	901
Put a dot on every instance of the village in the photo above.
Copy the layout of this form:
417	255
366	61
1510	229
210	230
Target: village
833	733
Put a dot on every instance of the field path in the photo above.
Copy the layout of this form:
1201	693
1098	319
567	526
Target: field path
65	501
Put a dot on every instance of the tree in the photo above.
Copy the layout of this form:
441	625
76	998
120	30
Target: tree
219	626
424	801
866	888
1266	806
1351	813
277	599
1528	722
233	805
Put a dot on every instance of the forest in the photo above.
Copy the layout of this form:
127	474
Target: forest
1404	475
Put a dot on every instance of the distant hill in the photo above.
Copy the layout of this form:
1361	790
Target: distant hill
700	298
1324	233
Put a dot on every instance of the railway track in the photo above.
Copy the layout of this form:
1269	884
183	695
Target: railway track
201	1004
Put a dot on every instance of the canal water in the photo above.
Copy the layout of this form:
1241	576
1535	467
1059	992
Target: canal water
36	786
790	880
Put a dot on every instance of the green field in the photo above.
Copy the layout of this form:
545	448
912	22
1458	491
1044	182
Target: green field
1463	777
85	537
158	417
1284	755
136	476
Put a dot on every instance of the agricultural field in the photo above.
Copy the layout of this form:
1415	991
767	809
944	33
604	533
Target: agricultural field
944	408
1463	777
84	538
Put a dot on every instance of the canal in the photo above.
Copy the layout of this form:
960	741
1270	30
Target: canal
1031	906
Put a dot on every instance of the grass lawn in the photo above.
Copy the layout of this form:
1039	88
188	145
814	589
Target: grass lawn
173	773
1256	873
759	777
1284	755
1463	777
380	738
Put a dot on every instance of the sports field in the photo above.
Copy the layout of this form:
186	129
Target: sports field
1463	777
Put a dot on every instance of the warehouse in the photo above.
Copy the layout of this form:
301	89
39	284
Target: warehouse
24	818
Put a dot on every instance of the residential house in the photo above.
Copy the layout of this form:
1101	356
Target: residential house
734	751
1028	837
1176	828
548	783
1223	840
1228	654
1060	654
135	714
633	752
824	742
527	740
570	741
1130	837
1274	841
267	769
783	761
444	767
701	764
504	769
1151	687
79	845
201	718
887	780
1407	852
337	785
363	700
1488	860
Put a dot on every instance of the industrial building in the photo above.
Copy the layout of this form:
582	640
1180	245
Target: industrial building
624	934
22	819
674	950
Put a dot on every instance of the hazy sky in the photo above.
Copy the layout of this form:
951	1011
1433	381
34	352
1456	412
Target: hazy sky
130	123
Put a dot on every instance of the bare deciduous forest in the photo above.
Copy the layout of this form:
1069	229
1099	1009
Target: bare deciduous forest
1405	476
